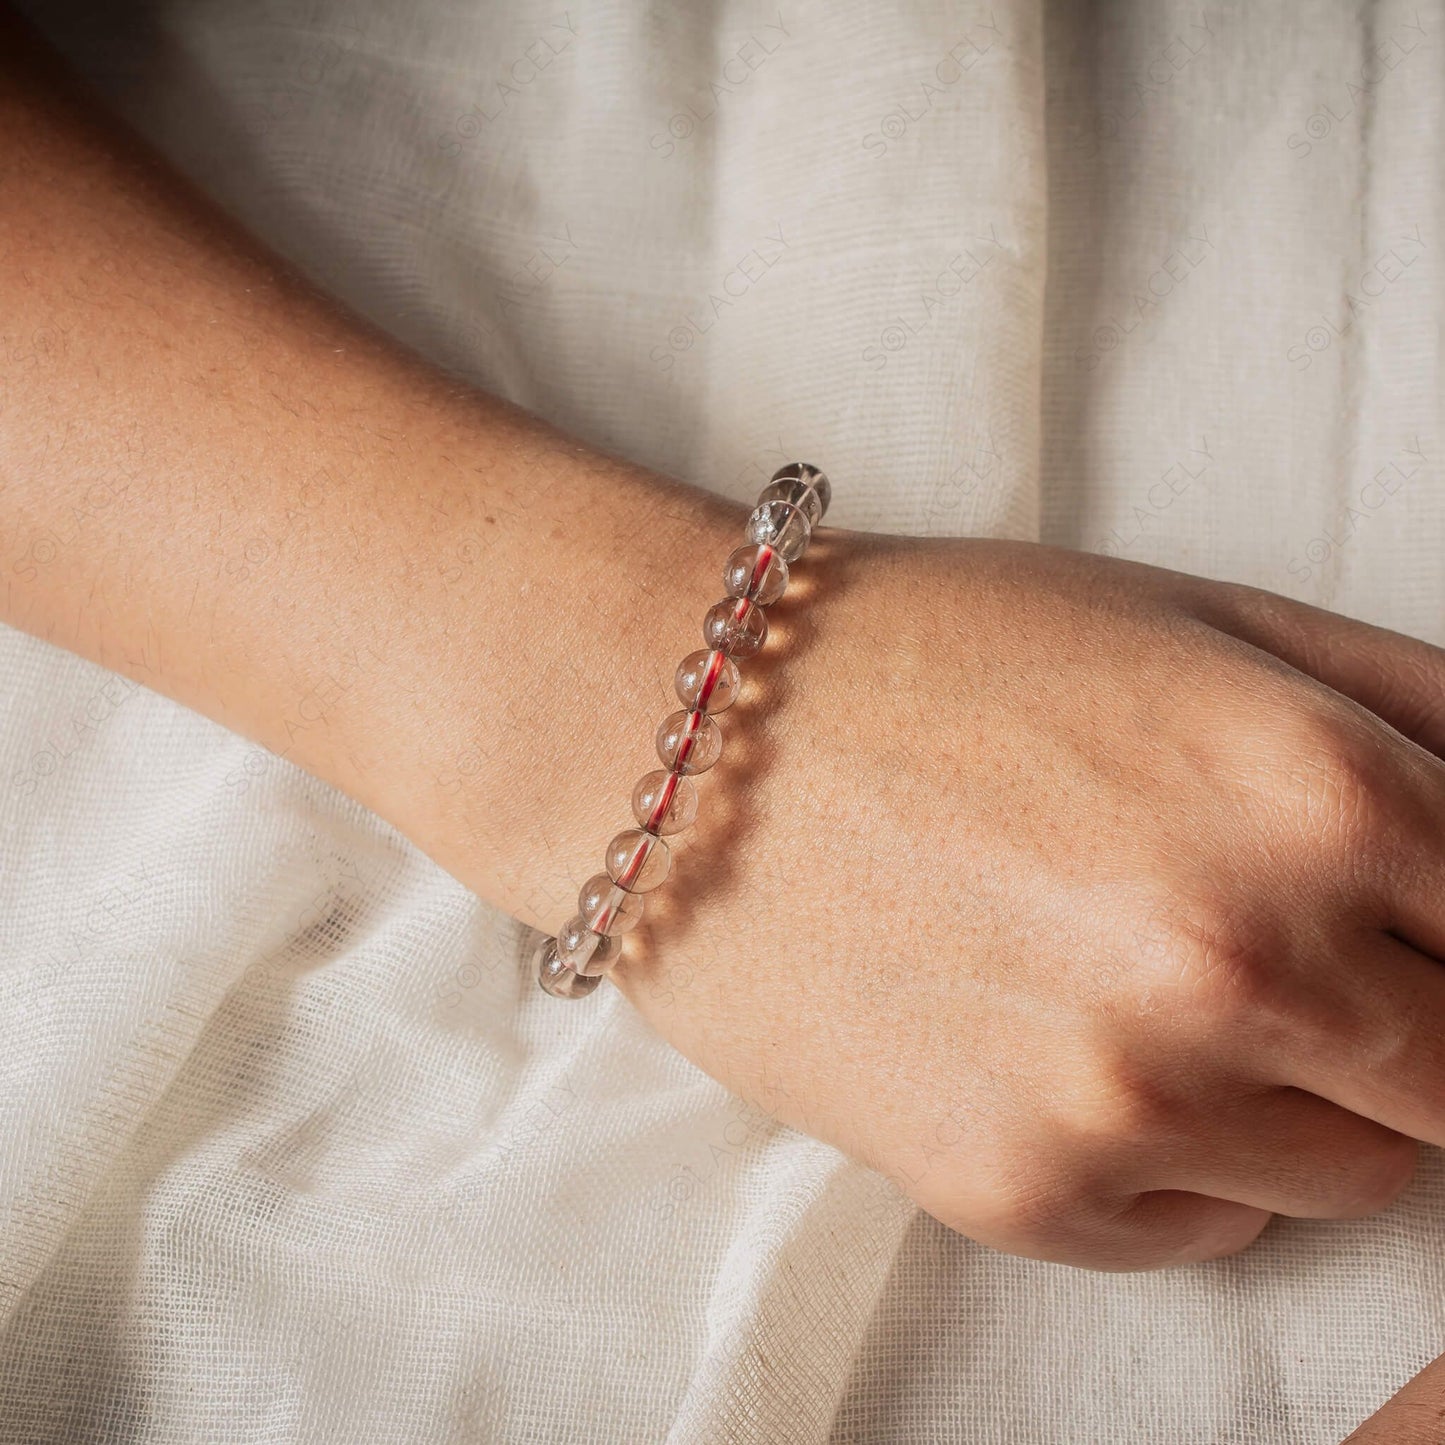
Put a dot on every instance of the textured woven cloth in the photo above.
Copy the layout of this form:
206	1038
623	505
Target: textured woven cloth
293	1148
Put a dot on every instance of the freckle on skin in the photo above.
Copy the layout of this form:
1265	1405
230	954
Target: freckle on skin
492	520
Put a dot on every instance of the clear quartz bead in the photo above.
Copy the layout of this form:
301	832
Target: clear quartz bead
781	525
556	978
638	861
755	572
664	802
735	626
795	494
801	478
584	951
688	742
708	681
601	963
608	909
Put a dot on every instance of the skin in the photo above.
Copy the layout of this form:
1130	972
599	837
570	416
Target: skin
1099	905
1414	1416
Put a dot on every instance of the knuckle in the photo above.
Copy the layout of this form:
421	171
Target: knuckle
1170	1228
1117	1102
1222	965
1402	1046
1337	768
1231	1233
1034	1215
1338	791
1380	1178
1029	1208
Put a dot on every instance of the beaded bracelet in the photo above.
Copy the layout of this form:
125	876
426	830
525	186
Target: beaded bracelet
689	742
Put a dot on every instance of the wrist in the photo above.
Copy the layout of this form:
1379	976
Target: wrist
599	576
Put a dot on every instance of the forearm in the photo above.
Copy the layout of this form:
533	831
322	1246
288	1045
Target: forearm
217	483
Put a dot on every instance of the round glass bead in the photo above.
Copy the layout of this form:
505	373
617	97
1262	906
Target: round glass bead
755	572
556	978
708	681
688	742
608	909
781	525
735	626
598	965
664	802
803	477
638	861
584	951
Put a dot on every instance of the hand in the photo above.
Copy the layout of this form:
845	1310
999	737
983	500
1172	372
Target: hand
1079	896
1093	903
1413	1416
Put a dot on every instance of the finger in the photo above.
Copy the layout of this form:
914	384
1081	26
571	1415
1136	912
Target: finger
1399	678
1414	1416
1411	893
1146	1230
1369	1035
1291	1153
1164	1227
1401	857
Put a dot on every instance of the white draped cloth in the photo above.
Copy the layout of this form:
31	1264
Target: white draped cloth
293	1148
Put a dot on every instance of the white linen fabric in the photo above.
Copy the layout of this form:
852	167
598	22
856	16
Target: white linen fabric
294	1150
